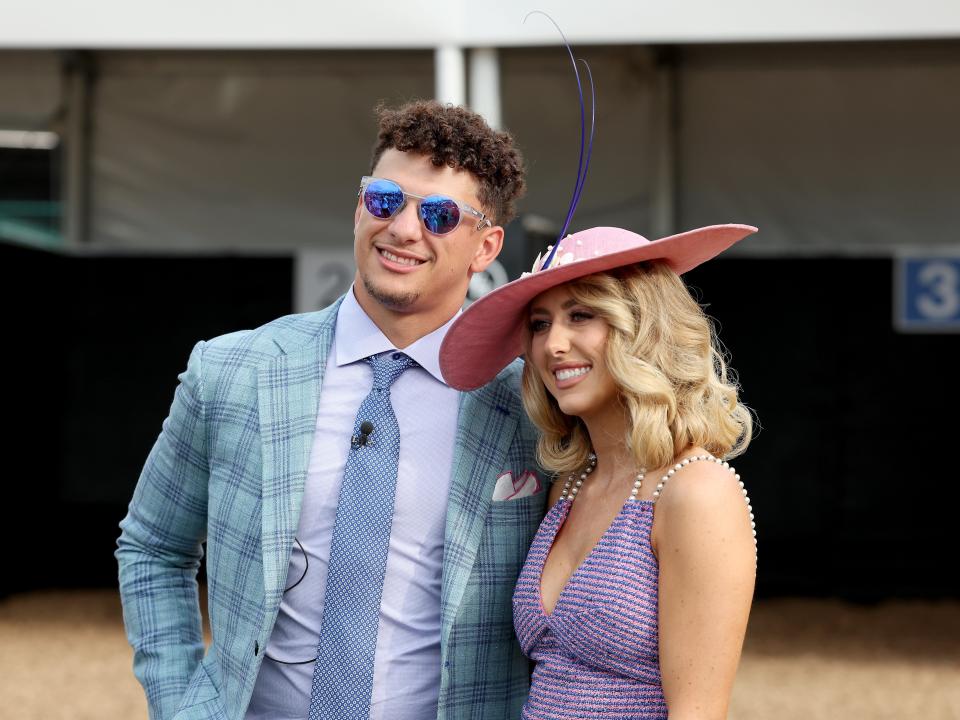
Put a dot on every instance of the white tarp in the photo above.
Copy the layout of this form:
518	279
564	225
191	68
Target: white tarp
264	151
826	148
540	106
237	150
29	90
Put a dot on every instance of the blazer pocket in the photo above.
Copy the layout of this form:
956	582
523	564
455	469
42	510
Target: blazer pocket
521	512
509	529
514	500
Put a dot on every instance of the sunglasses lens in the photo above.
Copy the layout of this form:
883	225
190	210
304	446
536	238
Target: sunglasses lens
440	214
382	198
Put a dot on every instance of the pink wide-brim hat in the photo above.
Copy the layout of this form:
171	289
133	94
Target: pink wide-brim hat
489	334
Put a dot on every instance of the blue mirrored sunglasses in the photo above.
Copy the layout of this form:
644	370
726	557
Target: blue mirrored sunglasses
440	214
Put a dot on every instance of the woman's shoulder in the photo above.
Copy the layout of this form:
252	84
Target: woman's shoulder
703	514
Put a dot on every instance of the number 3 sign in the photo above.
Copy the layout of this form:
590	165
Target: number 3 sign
927	293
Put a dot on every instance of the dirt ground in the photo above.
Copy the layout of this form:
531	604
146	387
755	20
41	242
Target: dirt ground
63	656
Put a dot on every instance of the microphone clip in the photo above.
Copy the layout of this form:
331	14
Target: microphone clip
362	439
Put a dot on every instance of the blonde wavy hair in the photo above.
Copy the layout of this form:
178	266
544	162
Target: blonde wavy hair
670	369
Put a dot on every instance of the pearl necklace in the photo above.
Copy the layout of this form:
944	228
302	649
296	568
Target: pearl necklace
571	488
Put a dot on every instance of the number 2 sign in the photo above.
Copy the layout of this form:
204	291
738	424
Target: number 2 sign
927	295
320	276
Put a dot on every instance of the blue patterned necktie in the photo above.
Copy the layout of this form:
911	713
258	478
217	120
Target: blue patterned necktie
343	676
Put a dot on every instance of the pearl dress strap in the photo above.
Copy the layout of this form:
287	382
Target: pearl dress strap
573	484
723	463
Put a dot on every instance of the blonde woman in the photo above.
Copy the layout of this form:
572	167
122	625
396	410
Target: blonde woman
634	597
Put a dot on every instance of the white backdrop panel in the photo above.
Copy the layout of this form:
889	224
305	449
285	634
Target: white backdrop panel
826	148
238	150
29	90
541	108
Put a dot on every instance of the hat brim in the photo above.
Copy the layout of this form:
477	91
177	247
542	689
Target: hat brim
489	334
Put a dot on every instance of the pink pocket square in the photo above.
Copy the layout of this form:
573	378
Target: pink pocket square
510	488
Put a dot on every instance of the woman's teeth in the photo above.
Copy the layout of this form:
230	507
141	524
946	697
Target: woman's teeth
568	373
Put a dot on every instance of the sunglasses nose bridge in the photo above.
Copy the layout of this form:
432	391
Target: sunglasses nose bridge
406	221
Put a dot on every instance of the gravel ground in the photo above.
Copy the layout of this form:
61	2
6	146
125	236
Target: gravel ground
63	656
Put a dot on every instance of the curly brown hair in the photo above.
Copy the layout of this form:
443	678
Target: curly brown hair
461	139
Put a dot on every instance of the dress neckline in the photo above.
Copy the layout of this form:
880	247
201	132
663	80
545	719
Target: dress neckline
564	505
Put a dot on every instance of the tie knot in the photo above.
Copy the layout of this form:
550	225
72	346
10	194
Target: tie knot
387	367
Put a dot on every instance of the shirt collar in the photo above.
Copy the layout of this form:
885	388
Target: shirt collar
357	337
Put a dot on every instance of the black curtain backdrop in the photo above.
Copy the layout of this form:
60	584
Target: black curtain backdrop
851	474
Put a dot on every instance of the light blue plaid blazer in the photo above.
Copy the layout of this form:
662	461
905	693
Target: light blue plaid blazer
229	468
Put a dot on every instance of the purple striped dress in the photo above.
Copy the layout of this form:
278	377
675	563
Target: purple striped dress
596	654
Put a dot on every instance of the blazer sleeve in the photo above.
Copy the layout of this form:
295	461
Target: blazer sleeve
160	548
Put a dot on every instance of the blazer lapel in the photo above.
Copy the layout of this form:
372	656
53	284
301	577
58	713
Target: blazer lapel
289	393
485	429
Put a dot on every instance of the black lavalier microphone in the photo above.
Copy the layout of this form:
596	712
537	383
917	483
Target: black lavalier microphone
366	429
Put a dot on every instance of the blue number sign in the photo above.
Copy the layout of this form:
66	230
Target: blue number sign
927	293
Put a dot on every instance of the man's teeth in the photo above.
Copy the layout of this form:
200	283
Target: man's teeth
568	373
397	259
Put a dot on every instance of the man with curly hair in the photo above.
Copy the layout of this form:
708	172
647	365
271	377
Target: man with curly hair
364	522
